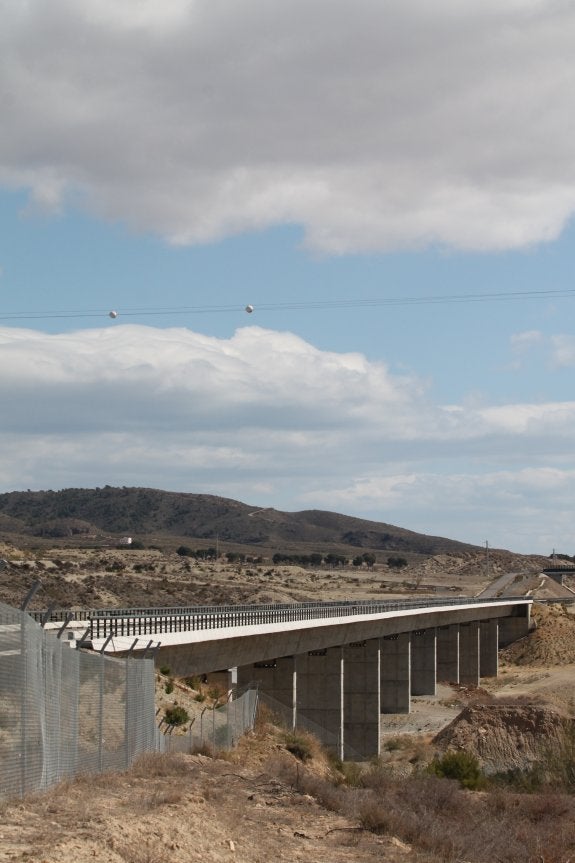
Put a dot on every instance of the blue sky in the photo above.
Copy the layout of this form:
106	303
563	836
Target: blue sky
210	155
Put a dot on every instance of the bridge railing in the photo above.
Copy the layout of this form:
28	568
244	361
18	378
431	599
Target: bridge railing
152	621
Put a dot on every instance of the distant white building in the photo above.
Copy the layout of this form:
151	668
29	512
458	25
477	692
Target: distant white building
126	540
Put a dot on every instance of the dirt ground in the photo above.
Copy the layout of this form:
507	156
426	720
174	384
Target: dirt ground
187	808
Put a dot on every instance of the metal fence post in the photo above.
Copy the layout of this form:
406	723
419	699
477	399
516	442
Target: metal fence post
23	736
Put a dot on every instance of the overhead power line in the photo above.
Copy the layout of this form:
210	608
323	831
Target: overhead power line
293	305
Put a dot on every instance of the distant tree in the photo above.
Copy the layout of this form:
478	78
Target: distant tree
369	559
185	551
206	553
358	561
316	558
335	560
396	562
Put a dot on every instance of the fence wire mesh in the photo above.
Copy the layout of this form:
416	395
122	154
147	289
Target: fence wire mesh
65	711
216	729
284	716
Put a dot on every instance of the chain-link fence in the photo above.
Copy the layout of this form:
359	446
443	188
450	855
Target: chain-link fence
218	728
283	716
65	711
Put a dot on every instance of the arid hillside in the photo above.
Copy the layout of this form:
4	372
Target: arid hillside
89	516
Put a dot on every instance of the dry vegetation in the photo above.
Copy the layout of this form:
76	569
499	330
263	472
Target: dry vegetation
279	797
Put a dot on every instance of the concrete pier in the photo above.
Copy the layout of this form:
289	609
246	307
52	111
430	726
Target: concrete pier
396	673
423	661
319	696
488	645
275	677
469	653
448	654
361	697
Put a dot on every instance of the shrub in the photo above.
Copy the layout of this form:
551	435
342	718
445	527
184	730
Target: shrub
215	693
152	765
169	687
165	670
176	715
193	682
299	745
461	766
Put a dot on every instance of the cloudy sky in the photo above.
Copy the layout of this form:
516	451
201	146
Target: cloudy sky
390	185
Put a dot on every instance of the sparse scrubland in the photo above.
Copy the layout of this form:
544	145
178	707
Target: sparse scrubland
495	783
279	796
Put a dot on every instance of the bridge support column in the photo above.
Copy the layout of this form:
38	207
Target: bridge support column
469	653
395	673
448	654
513	628
423	661
488	652
276	678
361	698
320	695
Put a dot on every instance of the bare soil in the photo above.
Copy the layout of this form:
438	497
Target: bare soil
183	808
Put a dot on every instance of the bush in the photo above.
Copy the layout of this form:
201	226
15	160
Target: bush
193	682
165	670
396	562
299	745
461	766
169	687
176	715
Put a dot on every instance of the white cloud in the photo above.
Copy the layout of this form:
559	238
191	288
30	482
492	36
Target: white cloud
526	340
374	125
266	417
563	350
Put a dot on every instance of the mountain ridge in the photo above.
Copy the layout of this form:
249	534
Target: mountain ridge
145	512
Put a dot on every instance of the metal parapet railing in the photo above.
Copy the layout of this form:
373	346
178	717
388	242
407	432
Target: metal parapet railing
143	621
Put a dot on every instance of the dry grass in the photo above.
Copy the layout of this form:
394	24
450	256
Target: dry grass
150	851
154	765
444	822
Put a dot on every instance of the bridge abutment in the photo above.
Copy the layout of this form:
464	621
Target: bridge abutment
513	628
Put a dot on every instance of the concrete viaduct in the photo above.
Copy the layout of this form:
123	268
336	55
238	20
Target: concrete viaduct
336	665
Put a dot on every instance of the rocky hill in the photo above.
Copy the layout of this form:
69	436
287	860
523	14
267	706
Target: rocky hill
82	514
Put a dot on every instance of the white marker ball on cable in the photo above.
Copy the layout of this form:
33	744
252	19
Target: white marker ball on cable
249	309
113	314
